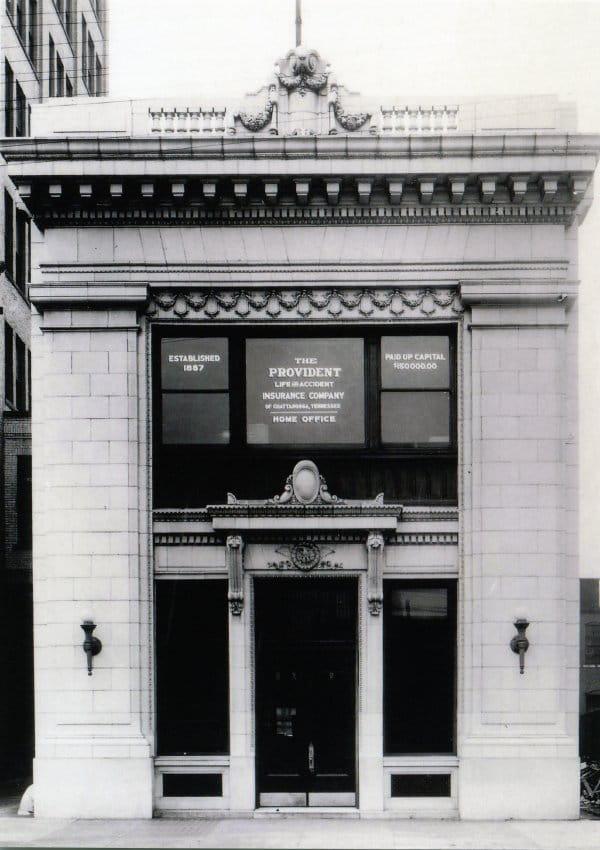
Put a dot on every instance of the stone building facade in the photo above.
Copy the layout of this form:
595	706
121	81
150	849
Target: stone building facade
304	418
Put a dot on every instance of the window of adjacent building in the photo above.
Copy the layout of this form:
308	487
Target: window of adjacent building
22	232
20	18
98	77
20	374
84	56
32	24
21	112
192	662
51	67
419	666
9	234
248	395
9	82
9	364
91	65
60	77
17	232
23	502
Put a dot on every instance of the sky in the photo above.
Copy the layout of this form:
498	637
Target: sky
440	50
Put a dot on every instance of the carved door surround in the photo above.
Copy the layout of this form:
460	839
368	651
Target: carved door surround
299	518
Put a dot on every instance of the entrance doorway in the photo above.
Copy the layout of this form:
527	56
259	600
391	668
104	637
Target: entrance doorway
306	691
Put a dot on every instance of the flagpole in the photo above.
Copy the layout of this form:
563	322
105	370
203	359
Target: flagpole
298	23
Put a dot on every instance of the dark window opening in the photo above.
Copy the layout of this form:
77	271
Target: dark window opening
22	248
192	663
9	81
9	234
20	112
51	67
420	785
91	65
60	77
84	56
68	86
20	374
20	22
192	785
9	369
32	31
419	629
98	77
23	502
235	412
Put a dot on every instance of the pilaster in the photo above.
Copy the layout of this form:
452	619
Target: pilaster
90	509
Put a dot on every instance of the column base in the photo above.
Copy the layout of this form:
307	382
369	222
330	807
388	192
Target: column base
518	788
93	787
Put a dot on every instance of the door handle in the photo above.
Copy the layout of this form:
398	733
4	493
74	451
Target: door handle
311	757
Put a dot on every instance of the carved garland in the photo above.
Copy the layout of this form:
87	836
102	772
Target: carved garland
269	304
350	121
257	121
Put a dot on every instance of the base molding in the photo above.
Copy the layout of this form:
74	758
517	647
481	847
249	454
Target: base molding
518	788
90	788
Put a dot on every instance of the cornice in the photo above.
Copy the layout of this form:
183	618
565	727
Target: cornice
536	144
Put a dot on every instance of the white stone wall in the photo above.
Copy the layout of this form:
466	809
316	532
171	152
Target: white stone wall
92	758
518	730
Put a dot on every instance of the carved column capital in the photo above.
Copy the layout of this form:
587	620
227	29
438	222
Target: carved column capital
375	547
234	549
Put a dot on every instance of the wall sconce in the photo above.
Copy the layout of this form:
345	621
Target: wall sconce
91	645
519	643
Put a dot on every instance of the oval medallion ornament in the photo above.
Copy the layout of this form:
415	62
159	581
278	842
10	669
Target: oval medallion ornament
306	481
305	556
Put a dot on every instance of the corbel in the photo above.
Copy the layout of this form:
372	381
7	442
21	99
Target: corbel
395	189
116	190
147	190
271	190
426	188
487	189
333	190
363	187
24	190
518	188
55	190
578	186
240	190
375	545
85	190
548	188
209	189
302	189
457	189
234	548
178	189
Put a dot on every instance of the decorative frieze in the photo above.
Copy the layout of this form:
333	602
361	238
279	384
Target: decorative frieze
305	557
343	304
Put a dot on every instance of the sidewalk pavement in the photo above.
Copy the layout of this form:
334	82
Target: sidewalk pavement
299	832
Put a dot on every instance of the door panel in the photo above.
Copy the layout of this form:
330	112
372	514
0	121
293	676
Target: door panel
306	681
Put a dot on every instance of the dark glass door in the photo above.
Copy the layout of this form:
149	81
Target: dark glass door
305	696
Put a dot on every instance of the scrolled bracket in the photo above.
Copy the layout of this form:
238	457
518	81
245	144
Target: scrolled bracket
234	549
375	547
